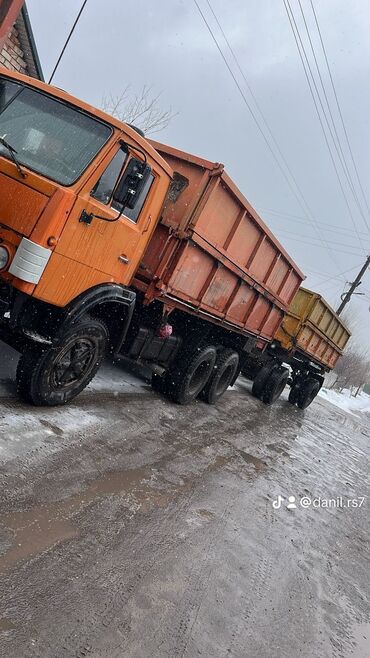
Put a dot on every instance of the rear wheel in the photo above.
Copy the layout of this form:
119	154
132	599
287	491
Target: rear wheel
55	375
189	375
293	394
275	385
260	381
223	374
303	393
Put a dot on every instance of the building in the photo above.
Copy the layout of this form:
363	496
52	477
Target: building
17	45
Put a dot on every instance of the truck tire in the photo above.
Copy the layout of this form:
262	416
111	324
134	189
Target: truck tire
293	394
260	381
304	392
55	375
275	385
223	374
189	375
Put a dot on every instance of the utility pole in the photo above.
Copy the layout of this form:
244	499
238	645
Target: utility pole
347	296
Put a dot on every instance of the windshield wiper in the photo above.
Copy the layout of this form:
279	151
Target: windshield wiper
12	153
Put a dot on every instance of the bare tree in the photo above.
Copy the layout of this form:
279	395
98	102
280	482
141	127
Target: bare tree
353	369
141	109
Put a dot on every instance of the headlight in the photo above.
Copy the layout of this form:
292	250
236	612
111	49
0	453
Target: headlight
4	258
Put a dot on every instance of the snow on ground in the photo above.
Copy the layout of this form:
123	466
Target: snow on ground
346	401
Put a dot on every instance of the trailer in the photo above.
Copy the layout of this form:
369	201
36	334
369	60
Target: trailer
310	340
312	330
313	337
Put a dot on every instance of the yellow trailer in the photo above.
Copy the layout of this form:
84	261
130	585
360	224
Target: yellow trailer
312	328
310	341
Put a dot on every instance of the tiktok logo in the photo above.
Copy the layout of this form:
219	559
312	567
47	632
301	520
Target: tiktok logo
277	503
290	504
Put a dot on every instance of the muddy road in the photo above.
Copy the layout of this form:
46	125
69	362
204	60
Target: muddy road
132	527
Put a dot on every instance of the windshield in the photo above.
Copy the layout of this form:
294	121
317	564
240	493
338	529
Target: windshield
51	138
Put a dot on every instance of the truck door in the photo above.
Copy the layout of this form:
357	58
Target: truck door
112	246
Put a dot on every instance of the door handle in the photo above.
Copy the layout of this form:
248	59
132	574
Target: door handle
147	224
124	259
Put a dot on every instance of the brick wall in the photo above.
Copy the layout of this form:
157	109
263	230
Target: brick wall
11	55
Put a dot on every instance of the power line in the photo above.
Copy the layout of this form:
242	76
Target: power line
297	36
67	40
309	237
325	226
327	230
330	278
336	141
315	244
340	113
310	218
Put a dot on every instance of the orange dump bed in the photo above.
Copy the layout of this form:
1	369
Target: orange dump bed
211	254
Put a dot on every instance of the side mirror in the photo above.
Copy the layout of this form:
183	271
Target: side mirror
132	182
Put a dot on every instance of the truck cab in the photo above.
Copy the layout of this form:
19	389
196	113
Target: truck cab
80	196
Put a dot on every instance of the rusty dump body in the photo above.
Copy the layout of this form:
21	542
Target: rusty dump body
311	327
211	254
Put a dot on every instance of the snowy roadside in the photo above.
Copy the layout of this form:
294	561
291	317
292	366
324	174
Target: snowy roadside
344	400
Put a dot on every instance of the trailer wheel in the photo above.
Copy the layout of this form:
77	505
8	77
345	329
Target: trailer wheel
55	375
275	385
294	393
223	374
190	375
307	392
260	381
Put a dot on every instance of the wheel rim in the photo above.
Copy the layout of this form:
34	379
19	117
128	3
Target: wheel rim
198	378
74	363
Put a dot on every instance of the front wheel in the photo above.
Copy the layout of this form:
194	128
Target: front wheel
55	375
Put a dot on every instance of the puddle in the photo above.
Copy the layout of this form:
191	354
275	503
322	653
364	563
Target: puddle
362	639
6	624
44	526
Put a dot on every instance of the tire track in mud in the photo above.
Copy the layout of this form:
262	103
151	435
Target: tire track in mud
195	588
108	613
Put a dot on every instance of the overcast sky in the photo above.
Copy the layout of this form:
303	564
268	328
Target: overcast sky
167	45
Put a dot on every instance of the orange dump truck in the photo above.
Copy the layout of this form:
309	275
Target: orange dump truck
108	241
89	260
